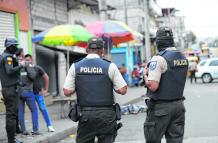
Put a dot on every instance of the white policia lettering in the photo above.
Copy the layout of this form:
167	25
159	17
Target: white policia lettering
91	70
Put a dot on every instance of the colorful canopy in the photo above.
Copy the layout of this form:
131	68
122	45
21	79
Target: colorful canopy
118	31
135	33
67	35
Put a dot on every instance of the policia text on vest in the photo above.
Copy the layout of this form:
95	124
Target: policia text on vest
90	70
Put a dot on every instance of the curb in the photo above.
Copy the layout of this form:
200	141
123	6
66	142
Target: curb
57	136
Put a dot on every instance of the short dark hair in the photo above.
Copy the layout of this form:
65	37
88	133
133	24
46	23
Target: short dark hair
19	51
28	55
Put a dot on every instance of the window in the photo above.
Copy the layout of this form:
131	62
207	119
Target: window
214	63
203	63
7	28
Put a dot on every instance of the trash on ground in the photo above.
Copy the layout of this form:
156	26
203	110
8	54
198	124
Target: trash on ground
133	109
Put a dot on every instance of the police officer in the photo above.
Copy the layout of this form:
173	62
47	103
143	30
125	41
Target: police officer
94	79
9	75
165	80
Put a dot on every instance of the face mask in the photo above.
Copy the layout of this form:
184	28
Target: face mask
12	49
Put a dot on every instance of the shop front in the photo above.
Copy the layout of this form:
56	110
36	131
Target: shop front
129	55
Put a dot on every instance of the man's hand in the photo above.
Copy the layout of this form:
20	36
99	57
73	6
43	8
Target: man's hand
22	62
122	90
44	92
68	92
145	73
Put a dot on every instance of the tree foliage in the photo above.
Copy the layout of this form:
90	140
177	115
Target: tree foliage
191	37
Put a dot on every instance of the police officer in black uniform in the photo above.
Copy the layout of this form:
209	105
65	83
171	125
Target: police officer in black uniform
165	80
94	80
9	75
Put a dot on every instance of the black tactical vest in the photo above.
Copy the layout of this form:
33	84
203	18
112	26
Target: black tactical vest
8	80
93	85
172	82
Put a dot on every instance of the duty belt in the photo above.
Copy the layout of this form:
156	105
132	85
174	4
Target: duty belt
10	85
96	108
165	101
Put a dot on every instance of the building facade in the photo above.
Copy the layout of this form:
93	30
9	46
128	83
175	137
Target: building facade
133	12
15	22
60	12
83	12
44	15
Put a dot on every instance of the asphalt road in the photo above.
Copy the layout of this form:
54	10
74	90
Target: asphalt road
201	116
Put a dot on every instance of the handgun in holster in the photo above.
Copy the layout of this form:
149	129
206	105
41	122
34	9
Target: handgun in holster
75	113
117	110
119	125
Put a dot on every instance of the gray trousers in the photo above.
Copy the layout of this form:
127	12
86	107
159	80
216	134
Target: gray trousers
167	119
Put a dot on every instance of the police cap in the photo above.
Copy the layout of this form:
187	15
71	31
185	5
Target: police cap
10	42
96	43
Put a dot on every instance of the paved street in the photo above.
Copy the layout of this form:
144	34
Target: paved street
201	117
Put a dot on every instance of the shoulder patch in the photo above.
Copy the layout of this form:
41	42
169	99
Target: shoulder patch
9	60
152	65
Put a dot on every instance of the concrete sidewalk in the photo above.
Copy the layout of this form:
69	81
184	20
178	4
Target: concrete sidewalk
63	127
189	140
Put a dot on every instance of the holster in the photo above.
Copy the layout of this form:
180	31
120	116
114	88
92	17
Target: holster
149	104
117	110
18	89
75	113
